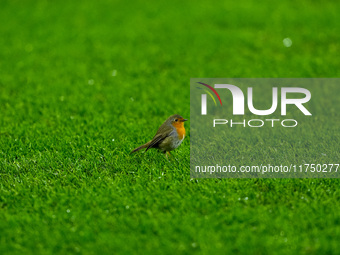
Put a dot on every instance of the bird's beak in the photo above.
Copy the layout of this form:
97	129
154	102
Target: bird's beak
184	120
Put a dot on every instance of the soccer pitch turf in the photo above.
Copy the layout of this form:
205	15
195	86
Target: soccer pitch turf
82	83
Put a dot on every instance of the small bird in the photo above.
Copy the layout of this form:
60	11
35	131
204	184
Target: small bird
168	137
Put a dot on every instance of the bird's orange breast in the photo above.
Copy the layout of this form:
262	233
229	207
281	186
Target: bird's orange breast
181	133
180	130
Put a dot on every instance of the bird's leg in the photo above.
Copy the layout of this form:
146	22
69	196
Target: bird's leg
169	157
166	154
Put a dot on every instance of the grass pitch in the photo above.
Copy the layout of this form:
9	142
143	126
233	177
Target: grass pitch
83	83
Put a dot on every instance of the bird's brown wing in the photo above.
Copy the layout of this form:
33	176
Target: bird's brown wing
156	140
163	132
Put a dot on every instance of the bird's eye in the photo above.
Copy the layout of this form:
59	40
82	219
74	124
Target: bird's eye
176	120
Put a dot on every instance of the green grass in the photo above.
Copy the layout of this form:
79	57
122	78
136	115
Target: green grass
67	183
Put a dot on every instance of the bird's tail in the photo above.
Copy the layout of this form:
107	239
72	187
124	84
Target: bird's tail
140	147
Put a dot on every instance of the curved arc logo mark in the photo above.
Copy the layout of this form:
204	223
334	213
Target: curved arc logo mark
208	92
204	97
213	90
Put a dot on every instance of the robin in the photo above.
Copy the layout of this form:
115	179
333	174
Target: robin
168	137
